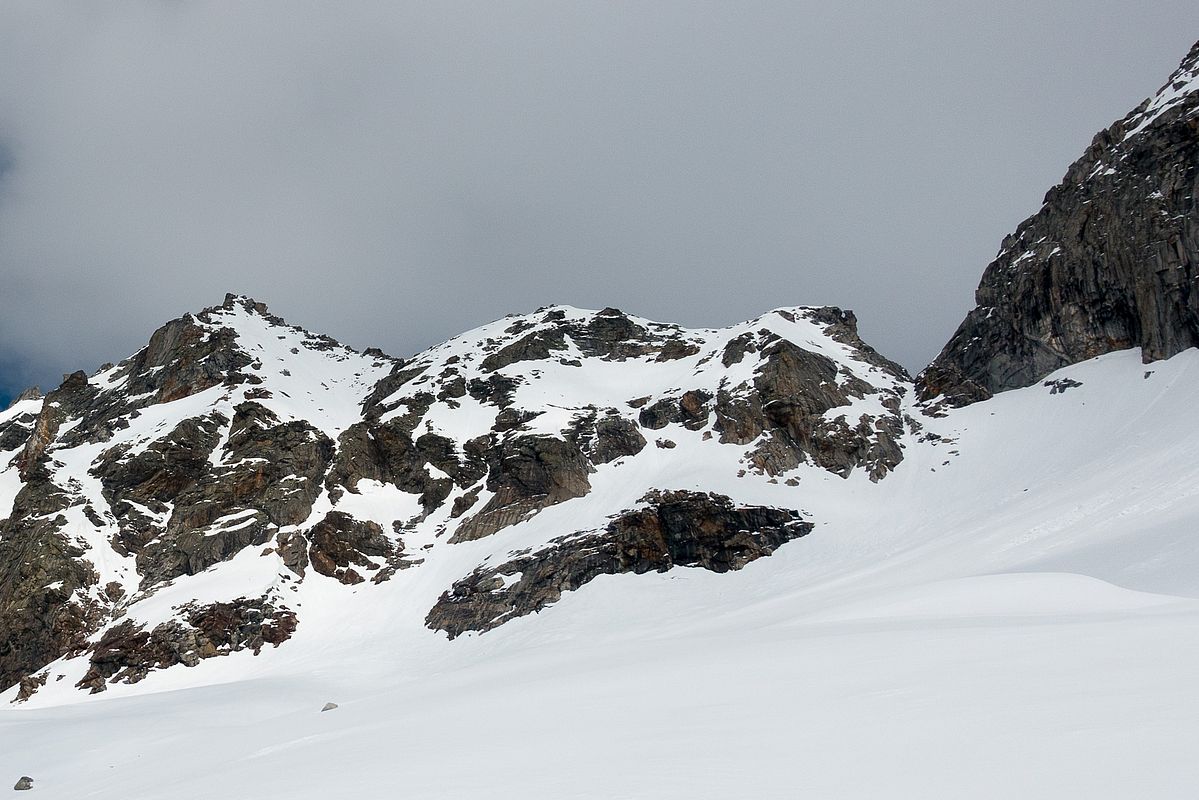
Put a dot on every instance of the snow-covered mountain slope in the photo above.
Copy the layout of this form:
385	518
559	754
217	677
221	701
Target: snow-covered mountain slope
182	504
583	554
981	600
1012	612
161	466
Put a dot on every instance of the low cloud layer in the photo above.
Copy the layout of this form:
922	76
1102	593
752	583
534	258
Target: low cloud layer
392	174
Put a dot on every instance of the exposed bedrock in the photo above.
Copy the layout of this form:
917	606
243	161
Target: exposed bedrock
128	652
1109	262
678	528
525	475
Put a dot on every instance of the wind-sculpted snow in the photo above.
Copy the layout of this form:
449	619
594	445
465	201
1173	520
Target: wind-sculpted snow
236	459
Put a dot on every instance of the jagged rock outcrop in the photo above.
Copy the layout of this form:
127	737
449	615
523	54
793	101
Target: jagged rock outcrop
139	486
387	453
675	528
343	547
15	431
1108	263
526	474
128	652
793	392
127	481
46	604
607	438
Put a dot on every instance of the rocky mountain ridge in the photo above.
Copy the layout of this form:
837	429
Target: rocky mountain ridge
239	474
234	438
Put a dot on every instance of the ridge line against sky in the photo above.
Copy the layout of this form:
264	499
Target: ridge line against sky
394	174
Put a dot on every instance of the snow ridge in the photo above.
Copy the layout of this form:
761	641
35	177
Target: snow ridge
1178	92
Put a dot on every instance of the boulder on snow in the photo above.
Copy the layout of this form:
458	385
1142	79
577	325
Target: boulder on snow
329	707
25	784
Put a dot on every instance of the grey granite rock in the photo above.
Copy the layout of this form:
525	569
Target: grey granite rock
1109	262
676	528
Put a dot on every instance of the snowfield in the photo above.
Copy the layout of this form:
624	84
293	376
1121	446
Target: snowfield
1012	613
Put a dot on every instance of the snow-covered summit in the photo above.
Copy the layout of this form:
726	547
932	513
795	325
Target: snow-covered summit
236	463
242	347
550	366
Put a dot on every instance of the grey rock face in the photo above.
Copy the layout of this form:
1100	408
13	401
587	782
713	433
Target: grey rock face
293	551
691	410
178	503
791	394
272	475
24	784
15	432
74	396
156	476
677	528
607	438
127	653
1108	263
527	474
533	347
41	569
340	542
387	453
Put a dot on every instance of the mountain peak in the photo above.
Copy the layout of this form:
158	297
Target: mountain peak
1108	263
32	393
1178	98
233	301
235	437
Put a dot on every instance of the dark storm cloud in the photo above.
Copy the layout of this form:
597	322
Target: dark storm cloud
395	173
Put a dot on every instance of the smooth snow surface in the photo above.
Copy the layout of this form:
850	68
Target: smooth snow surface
1011	614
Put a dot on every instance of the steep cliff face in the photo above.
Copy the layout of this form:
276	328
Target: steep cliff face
1109	262
177	506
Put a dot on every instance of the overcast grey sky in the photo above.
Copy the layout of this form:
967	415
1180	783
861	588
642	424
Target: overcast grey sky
394	173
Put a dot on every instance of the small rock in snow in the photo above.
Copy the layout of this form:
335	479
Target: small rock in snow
329	707
24	784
